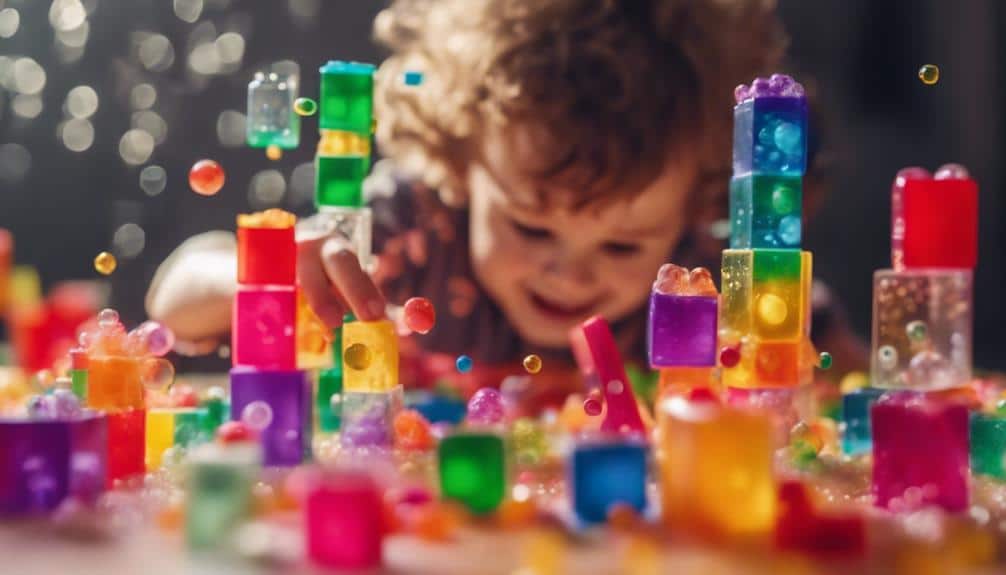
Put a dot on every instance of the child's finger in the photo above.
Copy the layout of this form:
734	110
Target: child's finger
357	288
318	291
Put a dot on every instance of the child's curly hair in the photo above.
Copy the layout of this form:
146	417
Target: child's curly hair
619	84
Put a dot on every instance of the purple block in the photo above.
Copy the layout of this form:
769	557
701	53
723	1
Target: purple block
43	461
286	440
920	452
682	330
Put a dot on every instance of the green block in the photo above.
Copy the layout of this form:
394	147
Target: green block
776	265
329	384
765	211
340	180
78	383
472	470
337	350
215	412
219	498
347	97
189	427
988	444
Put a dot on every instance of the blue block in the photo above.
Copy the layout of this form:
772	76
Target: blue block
765	211
770	136
857	438
437	408
604	474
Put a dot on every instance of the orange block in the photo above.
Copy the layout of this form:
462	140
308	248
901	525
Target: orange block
115	382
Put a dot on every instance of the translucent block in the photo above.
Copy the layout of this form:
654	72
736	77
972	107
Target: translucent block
437	408
803	528
167	427
857	438
988	444
42	462
339	180
716	469
765	211
921	329
682	330
472	470
339	143
219	492
602	475
376	368
271	117
596	352
314	349
263	333
115	382
783	406
267	256
683	379
934	222
329	409
920	452
770	136
347	97
126	444
766	293
286	440
367	417
352	225
344	514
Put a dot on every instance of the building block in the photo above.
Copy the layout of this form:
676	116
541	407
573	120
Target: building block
339	180
682	330
345	527
171	426
934	219
770	136
857	437
437	408
367	417
267	256
922	323
765	211
263	332
287	438
597	354
803	528
115	382
684	379
920	452
988	444
766	293
374	367
220	484
347	97
472	470
605	474
271	117
126	444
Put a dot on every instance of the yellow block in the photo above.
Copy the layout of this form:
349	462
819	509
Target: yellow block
340	143
160	435
314	346
770	308
379	373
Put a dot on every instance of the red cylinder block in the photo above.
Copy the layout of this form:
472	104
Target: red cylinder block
267	256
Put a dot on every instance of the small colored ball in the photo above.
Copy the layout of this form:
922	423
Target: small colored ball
803	436
108	317
464	364
852	381
234	432
788	137
825	360
486	407
887	356
730	355
929	74
532	363
593	405
412	431
257	415
305	107
783	199
420	316
772	309
274	152
206	177
105	263
789	230
357	356
916	330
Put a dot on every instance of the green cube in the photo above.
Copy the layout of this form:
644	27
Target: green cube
472	470
988	444
340	180
765	211
329	385
771	265
219	493
347	97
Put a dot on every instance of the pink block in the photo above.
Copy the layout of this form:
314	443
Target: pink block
622	413
345	521
263	328
920	452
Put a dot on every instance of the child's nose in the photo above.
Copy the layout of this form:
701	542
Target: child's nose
570	266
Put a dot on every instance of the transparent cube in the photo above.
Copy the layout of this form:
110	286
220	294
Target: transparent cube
271	117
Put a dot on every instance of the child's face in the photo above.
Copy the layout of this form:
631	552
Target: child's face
551	268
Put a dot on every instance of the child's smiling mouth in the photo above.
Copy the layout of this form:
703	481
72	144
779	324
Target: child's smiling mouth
560	310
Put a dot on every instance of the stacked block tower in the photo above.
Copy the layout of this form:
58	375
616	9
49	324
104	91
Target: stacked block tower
922	320
265	383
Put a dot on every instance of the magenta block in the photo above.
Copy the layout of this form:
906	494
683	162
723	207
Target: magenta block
286	440
263	332
345	521
920	452
44	461
682	330
597	353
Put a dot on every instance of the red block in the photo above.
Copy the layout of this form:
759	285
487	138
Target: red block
800	527
934	219
267	256
126	444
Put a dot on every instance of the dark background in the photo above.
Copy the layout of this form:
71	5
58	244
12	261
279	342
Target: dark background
862	56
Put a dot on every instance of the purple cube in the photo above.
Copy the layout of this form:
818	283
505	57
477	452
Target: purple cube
682	330
43	461
920	452
286	440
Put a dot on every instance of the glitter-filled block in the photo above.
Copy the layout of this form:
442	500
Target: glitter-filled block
921	328
344	521
286	440
934	220
472	470
367	417
857	437
602	475
682	330
42	462
766	293
370	356
765	211
920	452
263	332
770	136
219	492
988	444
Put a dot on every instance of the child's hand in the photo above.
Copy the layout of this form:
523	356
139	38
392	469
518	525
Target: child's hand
333	281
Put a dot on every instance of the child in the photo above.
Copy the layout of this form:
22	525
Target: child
562	151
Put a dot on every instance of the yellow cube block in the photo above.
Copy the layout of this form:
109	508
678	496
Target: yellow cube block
766	364
716	469
314	345
369	356
766	293
160	435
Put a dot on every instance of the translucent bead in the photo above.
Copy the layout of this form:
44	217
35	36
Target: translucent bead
888	357
158	339
789	230
788	138
824	360
464	364
930	369
772	309
420	316
486	407
357	356
593	405
274	153
108	317
916	330
257	415
206	177
532	363
412	431
929	74
305	106
730	355
105	263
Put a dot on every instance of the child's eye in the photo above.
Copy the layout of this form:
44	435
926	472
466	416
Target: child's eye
530	232
621	249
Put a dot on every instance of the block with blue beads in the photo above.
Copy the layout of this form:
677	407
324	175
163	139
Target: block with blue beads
770	127
605	474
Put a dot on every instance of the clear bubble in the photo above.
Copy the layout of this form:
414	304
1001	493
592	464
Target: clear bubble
888	357
82	102
787	137
930	369
257	415
301	185
10	21
142	96
153	180
615	387
205	59
129	240
335	402
789	230
157	373
108	317
136	146
77	134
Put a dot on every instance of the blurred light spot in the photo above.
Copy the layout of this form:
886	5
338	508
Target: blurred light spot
15	161
25	106
142	96
76	38
10	21
231	129
267	189
301	185
77	134
7	72
135	147
304	12
68	55
188	10
82	102
720	229
128	241
153	180
151	123
204	59
66	14
230	48
156	53
202	33
29	77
